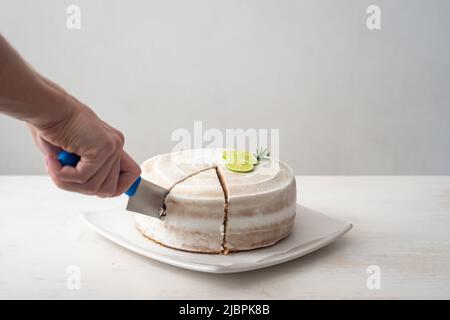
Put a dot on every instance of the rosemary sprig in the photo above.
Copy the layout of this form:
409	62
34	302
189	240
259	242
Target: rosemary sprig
262	154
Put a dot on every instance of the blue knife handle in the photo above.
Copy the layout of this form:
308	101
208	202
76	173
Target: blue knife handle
71	159
68	159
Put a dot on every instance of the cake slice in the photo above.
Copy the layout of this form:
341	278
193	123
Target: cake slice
185	224
261	207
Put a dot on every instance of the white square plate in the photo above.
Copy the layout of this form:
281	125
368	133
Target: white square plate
312	230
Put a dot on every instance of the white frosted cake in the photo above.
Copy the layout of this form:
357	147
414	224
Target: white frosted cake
211	209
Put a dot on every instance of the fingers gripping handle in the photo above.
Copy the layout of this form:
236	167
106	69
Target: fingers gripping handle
71	159
68	159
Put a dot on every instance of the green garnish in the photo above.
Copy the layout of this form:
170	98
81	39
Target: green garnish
240	157
262	154
243	161
245	167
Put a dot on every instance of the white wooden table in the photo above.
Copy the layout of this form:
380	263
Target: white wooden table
401	224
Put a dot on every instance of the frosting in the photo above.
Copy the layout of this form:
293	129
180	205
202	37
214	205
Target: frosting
219	209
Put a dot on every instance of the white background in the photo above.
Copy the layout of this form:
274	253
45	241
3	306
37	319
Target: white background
346	100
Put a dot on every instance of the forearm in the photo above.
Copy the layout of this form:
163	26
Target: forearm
59	121
26	95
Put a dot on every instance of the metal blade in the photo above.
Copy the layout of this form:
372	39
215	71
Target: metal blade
148	200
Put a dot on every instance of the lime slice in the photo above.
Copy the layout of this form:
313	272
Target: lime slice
245	167
239	157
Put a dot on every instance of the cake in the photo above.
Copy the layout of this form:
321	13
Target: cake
211	209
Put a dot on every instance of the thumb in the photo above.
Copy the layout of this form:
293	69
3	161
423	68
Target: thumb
129	172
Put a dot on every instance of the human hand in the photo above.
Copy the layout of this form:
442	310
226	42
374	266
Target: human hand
104	170
60	122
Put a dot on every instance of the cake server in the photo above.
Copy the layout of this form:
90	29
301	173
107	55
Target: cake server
145	197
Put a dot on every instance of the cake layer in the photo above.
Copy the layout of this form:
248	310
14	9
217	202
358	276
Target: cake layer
258	237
